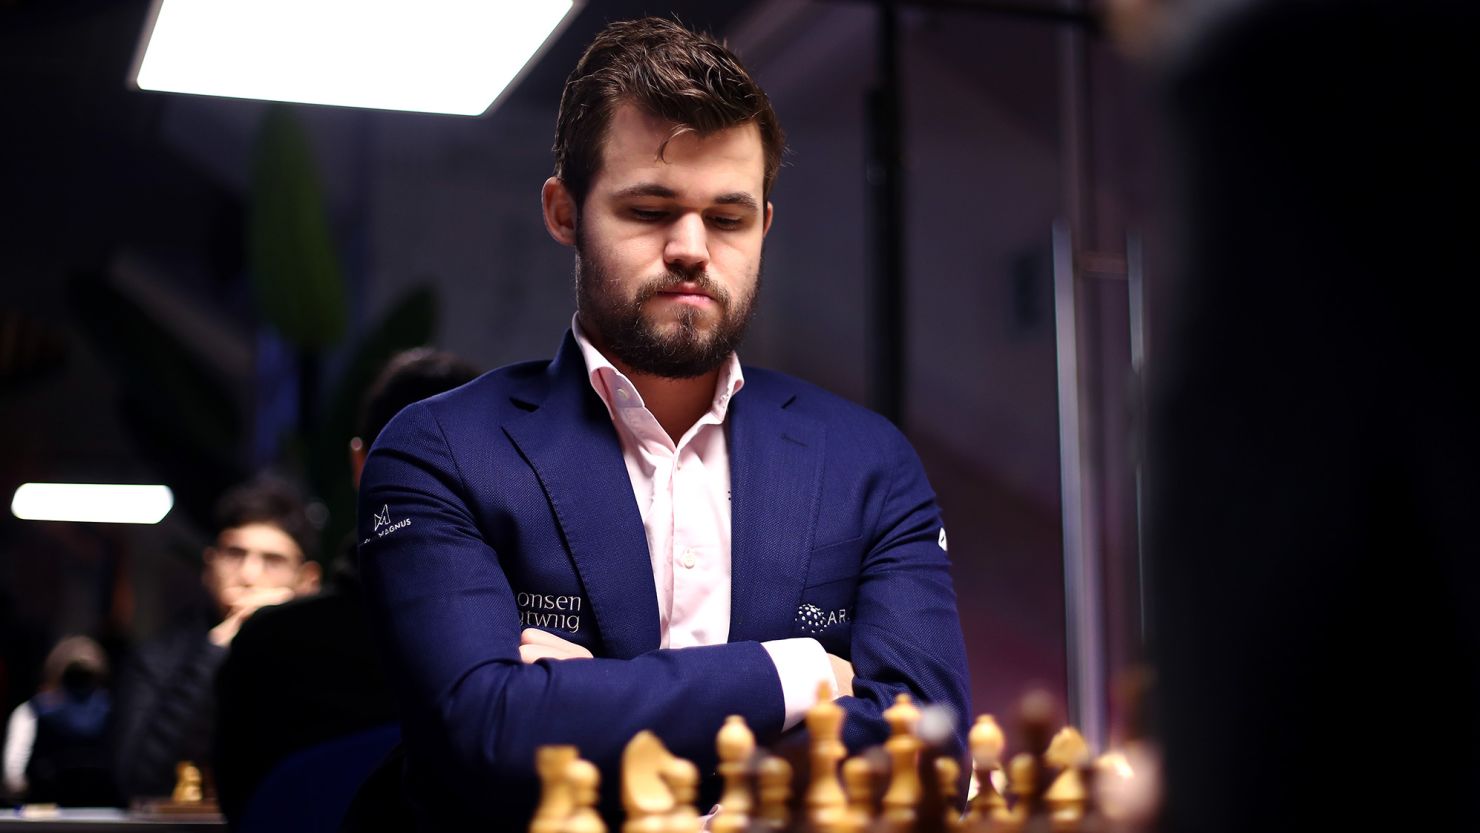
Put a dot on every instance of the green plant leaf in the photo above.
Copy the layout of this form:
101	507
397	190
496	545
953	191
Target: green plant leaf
295	272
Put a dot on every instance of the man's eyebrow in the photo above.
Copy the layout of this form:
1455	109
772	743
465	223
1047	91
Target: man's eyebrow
646	190
738	198
664	192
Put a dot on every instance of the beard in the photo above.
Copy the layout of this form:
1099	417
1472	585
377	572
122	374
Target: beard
679	347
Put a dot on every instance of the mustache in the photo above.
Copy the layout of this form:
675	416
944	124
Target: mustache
672	280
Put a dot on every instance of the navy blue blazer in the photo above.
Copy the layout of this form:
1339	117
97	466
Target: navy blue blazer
506	504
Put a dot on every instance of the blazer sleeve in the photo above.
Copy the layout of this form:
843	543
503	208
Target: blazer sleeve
444	614
906	633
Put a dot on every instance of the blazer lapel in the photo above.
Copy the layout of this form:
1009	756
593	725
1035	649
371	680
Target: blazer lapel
572	446
775	482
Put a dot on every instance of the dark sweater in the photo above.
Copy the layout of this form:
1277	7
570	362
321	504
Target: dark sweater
166	704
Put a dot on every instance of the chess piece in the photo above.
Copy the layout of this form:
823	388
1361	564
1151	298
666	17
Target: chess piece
581	779
1022	783
187	784
826	803
1066	796
775	793
987	742
948	774
645	796
555	806
735	744
858	776
1127	785
682	778
904	751
1028	780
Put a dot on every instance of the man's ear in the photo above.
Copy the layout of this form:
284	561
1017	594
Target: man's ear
770	214
560	211
309	574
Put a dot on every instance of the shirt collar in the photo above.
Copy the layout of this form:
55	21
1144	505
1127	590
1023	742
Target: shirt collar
617	391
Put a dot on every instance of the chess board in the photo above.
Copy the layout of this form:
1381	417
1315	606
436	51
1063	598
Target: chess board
909	785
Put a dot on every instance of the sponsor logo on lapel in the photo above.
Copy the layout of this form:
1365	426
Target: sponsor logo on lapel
942	539
549	610
814	619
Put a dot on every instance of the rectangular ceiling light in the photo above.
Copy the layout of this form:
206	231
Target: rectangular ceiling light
428	56
92	503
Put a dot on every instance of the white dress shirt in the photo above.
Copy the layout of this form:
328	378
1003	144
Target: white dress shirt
683	495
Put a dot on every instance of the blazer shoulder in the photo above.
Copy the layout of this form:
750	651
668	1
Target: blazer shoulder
803	397
483	401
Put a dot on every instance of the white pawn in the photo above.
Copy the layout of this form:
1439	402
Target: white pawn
734	743
903	749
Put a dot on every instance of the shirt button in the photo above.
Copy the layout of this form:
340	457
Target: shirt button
623	395
688	559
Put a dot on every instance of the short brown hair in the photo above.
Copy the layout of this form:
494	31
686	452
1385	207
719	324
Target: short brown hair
667	71
269	500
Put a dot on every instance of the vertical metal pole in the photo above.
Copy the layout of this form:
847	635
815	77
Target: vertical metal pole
1083	602
886	194
1135	279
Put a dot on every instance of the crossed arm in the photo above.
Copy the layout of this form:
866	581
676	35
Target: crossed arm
479	693
535	645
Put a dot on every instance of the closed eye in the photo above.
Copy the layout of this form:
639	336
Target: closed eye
727	223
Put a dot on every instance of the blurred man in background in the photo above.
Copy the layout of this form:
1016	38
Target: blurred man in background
262	556
305	672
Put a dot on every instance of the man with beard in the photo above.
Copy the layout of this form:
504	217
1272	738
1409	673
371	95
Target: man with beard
641	534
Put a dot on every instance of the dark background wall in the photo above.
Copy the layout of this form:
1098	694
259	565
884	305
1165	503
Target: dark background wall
145	194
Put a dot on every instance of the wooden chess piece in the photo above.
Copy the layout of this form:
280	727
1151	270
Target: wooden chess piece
582	779
1065	798
1022	783
948	773
986	742
735	743
774	777
1037	713
858	776
645	796
826	803
682	778
904	752
187	784
550	763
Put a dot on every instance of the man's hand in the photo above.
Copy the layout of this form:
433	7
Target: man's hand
535	644
242	602
843	675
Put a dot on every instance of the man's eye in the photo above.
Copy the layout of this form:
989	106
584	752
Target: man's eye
726	222
648	215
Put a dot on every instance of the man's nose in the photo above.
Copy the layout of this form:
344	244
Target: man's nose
688	246
251	568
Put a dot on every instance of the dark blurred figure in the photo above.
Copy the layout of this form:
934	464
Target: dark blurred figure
57	746
305	672
1316	573
261	556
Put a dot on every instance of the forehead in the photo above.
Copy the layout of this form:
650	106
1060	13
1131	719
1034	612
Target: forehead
259	538
696	167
